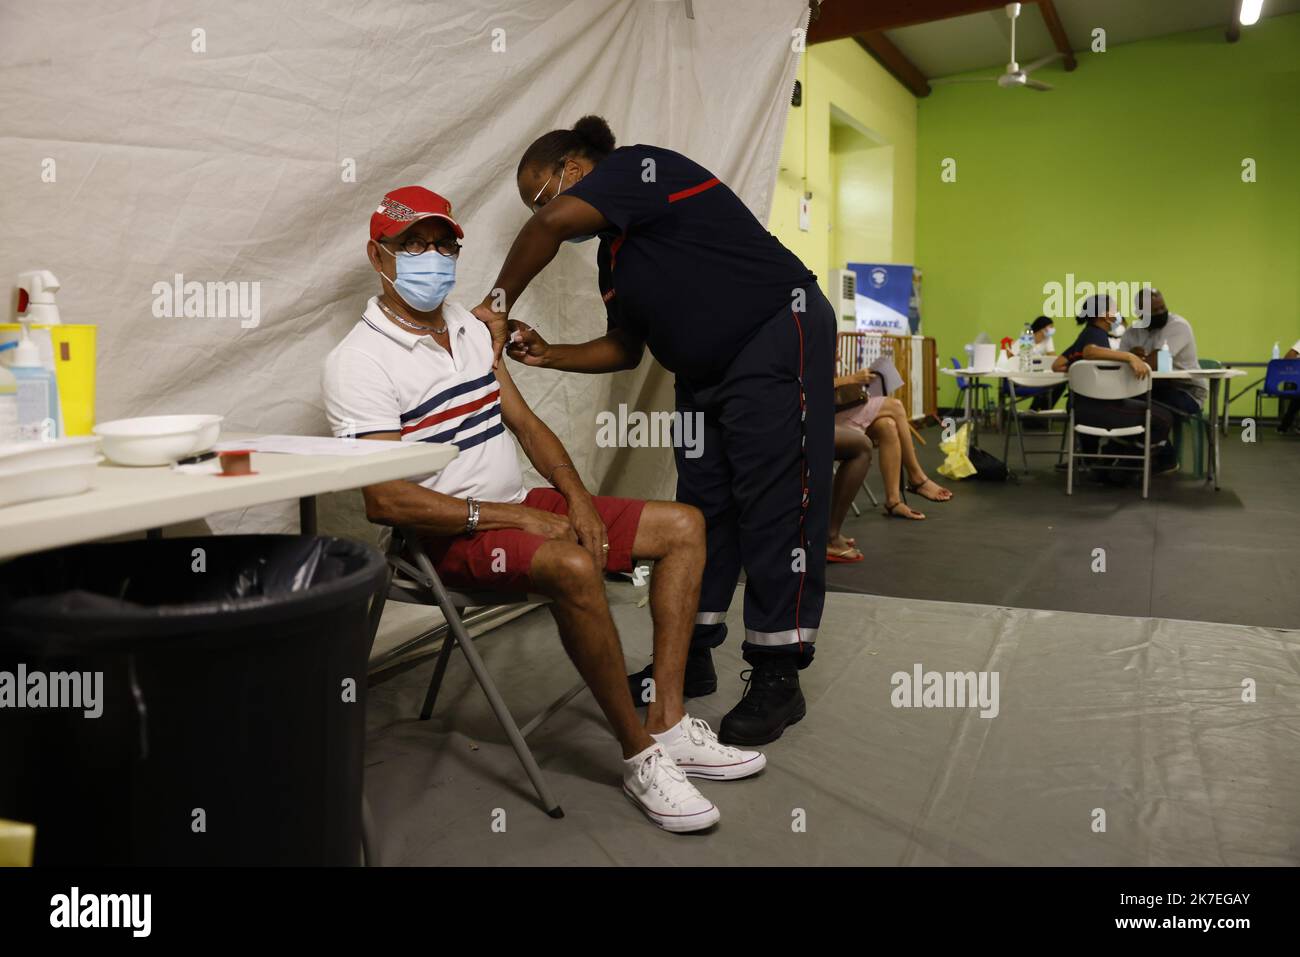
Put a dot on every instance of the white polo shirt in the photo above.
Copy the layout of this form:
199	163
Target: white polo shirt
381	378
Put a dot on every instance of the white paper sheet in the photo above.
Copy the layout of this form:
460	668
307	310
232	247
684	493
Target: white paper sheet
306	445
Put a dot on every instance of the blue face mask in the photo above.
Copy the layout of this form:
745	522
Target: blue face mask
424	281
1116	326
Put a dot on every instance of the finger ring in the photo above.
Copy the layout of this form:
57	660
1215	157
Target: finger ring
605	546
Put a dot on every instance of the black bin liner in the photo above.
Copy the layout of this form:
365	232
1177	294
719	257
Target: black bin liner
223	692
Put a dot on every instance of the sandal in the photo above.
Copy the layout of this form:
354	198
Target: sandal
890	512
846	556
916	490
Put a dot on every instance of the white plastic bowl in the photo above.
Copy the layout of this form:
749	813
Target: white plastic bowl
158	439
47	481
21	456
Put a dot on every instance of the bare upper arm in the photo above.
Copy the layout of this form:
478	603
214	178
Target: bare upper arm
516	413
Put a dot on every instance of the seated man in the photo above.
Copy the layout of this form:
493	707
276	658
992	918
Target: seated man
1155	326
418	369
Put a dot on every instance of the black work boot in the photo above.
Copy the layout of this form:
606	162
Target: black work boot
701	679
771	703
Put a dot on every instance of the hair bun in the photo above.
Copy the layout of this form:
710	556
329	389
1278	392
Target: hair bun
595	133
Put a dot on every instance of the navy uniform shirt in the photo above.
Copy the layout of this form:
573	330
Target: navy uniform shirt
1089	336
686	268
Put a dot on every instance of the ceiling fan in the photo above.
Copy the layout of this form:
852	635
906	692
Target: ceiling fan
1015	75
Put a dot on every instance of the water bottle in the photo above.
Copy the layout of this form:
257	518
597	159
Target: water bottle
1164	359
1026	348
1277	351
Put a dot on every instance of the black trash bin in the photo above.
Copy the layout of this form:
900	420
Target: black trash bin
232	703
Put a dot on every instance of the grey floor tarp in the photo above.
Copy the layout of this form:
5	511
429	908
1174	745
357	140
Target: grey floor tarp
1142	720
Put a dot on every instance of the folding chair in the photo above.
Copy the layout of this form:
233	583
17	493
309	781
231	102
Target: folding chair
1108	380
415	581
1011	398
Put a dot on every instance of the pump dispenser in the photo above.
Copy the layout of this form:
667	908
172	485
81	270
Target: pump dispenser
36	305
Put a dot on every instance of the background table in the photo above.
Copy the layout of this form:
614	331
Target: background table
1228	397
125	499
1038	379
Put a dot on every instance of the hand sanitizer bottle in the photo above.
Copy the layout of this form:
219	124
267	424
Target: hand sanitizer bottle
8	401
1164	359
38	394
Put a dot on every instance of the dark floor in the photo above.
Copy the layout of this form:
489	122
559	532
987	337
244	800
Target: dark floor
1187	552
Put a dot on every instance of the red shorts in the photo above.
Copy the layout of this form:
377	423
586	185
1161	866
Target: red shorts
500	560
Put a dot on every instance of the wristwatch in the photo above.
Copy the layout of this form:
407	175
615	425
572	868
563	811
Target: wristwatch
471	522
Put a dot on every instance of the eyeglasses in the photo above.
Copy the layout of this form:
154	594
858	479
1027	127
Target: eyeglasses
534	206
414	246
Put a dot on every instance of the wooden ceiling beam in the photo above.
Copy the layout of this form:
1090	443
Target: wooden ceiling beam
1054	27
851	18
892	59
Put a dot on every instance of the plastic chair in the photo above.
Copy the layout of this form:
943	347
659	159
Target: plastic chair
1108	380
982	390
1281	381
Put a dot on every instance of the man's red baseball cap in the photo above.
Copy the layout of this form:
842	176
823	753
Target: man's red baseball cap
406	205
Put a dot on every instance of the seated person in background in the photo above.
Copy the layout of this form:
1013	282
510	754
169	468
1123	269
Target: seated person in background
1043	330
1044	345
884	419
1097	318
1154	326
853	452
1287	408
416	368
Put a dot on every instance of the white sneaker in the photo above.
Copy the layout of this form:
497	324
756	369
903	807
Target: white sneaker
694	747
659	789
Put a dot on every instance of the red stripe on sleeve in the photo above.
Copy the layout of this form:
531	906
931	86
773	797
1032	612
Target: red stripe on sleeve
707	184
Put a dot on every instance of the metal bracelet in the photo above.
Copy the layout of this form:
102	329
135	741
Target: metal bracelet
471	522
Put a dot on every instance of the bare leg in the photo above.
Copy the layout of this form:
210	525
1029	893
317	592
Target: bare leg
565	572
672	535
884	432
915	474
854	455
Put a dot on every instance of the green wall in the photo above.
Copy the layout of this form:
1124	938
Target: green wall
841	77
1129	171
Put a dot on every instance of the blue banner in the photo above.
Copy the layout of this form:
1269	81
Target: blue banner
884	292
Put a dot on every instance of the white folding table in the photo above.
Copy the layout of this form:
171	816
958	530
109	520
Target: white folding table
124	500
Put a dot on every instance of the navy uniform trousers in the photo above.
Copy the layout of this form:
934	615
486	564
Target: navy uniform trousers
763	481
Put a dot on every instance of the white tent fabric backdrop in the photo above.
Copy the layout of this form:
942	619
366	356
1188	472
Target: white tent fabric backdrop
250	141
